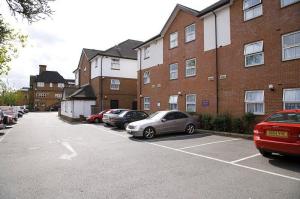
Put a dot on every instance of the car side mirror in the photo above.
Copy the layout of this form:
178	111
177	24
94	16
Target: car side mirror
164	120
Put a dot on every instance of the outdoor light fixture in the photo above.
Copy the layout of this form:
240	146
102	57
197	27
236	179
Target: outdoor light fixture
271	87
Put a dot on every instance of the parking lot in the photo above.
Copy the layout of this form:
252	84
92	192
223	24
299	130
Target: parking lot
46	157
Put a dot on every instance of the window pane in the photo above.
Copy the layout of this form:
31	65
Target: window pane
292	95
191	108
256	108
254	59
289	106
288	2
254	96
250	3
253	12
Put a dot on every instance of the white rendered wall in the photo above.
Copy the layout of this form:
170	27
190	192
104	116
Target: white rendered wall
127	68
67	108
82	107
155	55
223	26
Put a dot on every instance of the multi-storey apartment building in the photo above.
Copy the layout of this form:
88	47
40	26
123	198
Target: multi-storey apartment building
232	57
105	79
46	89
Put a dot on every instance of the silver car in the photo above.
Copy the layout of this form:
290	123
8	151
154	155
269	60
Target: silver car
162	122
111	113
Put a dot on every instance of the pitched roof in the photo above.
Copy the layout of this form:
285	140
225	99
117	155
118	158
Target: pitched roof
151	39
91	52
213	7
50	77
67	92
84	92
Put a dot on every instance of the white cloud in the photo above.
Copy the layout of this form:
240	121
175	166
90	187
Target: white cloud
58	41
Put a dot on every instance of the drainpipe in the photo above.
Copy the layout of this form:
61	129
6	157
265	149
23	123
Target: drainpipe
140	82
216	64
101	86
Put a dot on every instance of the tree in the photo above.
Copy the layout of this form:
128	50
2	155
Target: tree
32	10
11	40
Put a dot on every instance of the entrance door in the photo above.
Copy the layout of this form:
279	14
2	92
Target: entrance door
114	104
134	105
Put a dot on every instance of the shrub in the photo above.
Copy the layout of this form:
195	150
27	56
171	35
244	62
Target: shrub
206	121
249	121
237	125
222	122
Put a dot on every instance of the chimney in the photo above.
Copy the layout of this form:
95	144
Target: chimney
42	68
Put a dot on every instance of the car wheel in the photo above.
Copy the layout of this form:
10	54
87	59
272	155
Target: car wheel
265	153
149	133
190	129
125	125
97	120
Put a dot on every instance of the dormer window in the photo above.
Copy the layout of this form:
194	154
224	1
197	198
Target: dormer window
115	64
147	52
252	9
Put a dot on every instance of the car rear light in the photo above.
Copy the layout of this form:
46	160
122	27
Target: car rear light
257	132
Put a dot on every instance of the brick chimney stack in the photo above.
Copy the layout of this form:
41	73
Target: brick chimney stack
42	68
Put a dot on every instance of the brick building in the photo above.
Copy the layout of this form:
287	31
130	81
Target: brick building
46	89
232	57
107	79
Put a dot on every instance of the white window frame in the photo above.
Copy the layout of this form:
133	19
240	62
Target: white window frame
191	103
173	71
290	3
40	84
173	40
255	102
187	67
147	52
146	77
254	52
115	84
291	46
286	101
58	95
42	95
190	35
252	8
147	103
60	85
115	64
51	85
173	102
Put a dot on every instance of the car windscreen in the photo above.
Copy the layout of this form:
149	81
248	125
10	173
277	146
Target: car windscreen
285	118
117	111
123	113
157	115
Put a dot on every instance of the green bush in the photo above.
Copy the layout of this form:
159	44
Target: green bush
237	125
206	121
249	121
222	123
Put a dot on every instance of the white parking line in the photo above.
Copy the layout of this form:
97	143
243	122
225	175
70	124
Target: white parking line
70	148
239	160
179	136
215	159
188	147
5	134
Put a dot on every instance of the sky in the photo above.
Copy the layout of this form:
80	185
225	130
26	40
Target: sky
57	41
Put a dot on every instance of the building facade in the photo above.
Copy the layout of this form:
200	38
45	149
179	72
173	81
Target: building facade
46	89
232	57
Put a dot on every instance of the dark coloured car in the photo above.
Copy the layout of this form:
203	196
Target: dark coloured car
96	118
279	133
122	120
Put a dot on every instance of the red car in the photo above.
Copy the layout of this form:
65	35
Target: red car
96	118
279	133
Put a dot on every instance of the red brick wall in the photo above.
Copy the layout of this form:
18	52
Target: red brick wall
84	70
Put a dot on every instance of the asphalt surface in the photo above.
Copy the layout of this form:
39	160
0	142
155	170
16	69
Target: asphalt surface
45	157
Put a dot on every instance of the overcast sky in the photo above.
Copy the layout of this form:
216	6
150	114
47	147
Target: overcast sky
98	24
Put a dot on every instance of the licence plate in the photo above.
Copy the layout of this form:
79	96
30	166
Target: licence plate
279	134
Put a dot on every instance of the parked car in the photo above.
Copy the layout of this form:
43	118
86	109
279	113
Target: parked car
126	117
279	133
2	117
111	113
96	118
162	122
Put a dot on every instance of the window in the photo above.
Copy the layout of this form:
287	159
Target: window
58	95
147	52
291	46
42	95
115	64
146	77
174	71
288	2
190	33
254	102
146	103
291	98
51	85
173	102
40	84
290	118
190	67
114	84
252	9
174	40
180	115
191	103
254	54
170	116
60	85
